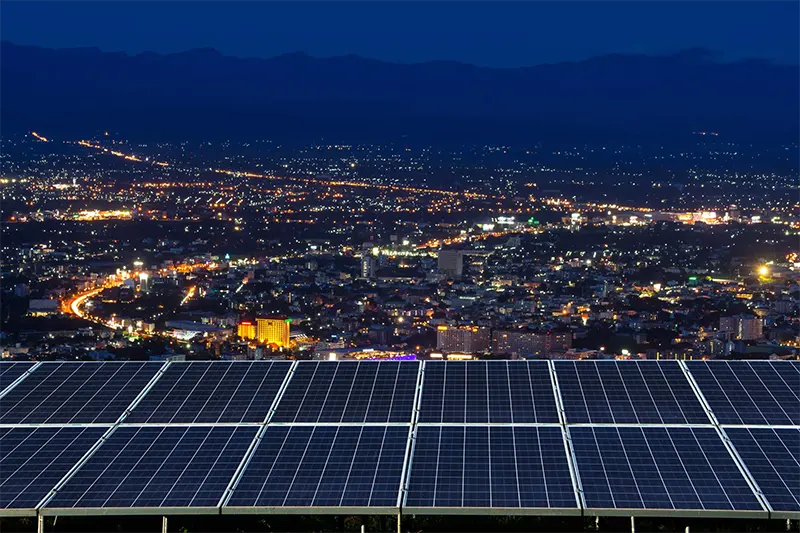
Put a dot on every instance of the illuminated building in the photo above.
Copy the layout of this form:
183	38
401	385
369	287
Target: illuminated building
144	283
273	330
246	330
742	327
467	339
528	343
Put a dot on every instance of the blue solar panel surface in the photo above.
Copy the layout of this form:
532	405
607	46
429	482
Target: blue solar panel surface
772	456
212	392
154	466
60	393
324	466
33	460
10	371
364	391
490	467
320	454
487	391
750	392
665	468
627	392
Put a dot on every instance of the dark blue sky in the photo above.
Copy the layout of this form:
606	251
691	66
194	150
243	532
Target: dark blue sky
484	33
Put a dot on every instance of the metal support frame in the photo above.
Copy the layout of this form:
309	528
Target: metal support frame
22	376
412	437
39	524
572	461
163	524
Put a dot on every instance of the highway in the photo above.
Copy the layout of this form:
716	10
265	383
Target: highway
75	304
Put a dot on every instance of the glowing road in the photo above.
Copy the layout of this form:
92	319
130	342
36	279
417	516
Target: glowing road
75	304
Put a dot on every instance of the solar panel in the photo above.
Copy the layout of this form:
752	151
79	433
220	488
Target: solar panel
324	467
772	456
349	391
487	391
10	371
750	392
678	469
491	467
33	460
212	392
75	393
627	392
158	467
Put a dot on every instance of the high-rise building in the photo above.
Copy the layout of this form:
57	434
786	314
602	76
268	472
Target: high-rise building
144	282
273	330
742	327
451	263
246	330
529	343
463	339
368	266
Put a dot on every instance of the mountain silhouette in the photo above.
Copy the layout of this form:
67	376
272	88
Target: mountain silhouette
206	94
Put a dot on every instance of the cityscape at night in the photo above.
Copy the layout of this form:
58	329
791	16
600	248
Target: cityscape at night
389	290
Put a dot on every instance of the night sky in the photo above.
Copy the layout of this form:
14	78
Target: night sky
483	33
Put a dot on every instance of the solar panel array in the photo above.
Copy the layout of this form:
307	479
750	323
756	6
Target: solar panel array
659	468
637	392
73	393
750	392
510	437
158	466
490	467
363	391
488	391
203	392
324	466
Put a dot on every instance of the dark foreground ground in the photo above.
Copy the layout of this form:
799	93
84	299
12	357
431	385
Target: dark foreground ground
373	524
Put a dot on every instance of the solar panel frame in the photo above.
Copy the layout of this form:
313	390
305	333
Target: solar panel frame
72	392
124	438
732	402
733	470
771	457
275	452
322	392
187	393
556	433
57	451
628	392
452	390
11	371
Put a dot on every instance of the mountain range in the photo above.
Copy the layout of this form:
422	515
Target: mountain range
202	93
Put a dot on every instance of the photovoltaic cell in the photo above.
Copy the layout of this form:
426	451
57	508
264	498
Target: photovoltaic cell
212	392
490	467
487	392
750	392
349	391
59	393
10	371
152	466
324	466
33	460
772	456
627	392
662	468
